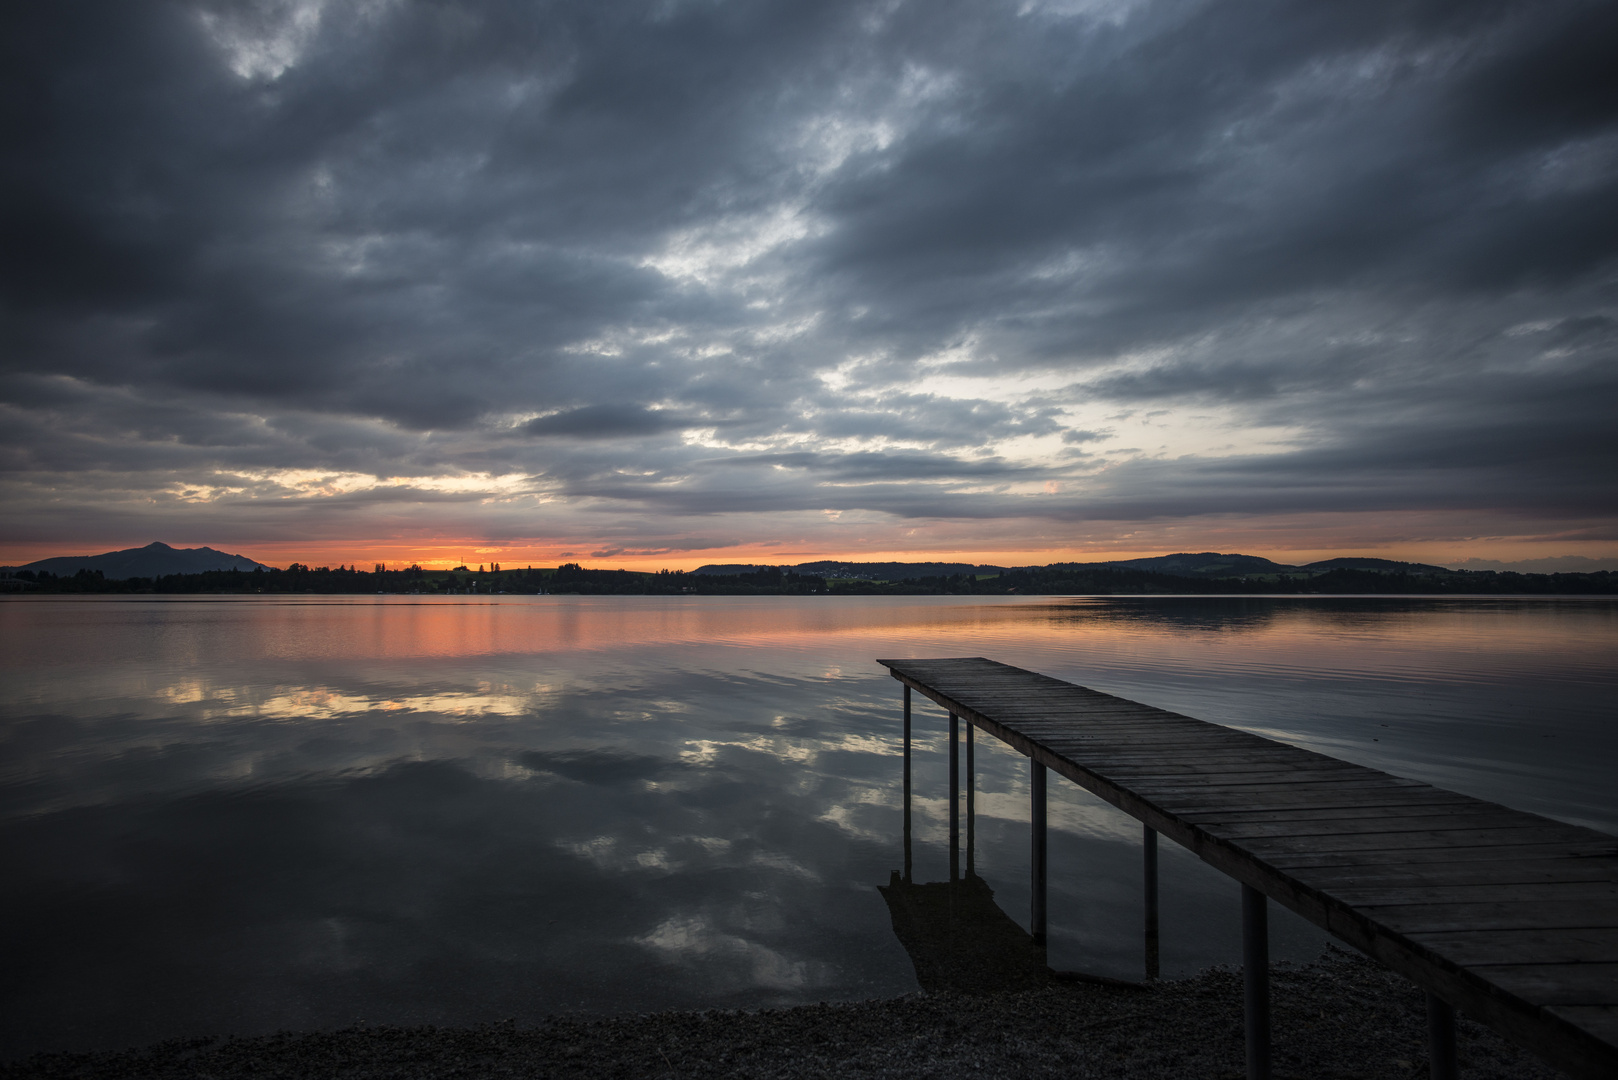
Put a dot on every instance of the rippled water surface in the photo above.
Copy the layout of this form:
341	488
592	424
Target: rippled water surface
244	814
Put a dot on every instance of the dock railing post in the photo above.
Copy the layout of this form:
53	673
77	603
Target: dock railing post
1441	1063
1256	981
908	876
1037	860
954	797
1149	857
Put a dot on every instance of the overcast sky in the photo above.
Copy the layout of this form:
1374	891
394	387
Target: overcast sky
697	280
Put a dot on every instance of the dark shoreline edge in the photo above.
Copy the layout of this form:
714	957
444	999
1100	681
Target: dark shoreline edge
1337	1018
1056	579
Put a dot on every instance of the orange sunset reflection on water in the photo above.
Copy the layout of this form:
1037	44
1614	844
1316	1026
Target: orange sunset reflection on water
1084	639
1428	638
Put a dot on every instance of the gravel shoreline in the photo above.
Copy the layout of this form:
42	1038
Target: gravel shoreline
1338	1018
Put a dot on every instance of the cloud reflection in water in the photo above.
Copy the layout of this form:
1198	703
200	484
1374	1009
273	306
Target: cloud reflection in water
236	817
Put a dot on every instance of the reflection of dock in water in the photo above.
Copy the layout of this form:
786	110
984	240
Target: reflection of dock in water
960	940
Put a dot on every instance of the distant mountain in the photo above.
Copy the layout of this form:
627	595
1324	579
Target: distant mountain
893	571
1205	565
153	560
858	571
1386	566
1551	564
1202	565
1209	564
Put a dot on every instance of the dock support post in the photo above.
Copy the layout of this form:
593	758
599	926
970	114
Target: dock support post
1037	862
954	797
1256	981
908	876
971	803
1441	1063
1149	852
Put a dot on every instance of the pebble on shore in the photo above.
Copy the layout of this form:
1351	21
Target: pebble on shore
1338	1018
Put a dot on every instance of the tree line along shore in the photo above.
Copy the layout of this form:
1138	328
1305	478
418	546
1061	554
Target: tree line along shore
1057	578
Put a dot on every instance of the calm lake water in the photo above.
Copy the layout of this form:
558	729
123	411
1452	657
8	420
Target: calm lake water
246	814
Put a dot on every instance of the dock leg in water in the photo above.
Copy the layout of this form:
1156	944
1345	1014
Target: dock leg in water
908	875
1256	981
1037	862
1149	850
971	804
954	797
1441	1064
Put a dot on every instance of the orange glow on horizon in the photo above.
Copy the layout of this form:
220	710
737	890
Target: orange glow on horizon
447	554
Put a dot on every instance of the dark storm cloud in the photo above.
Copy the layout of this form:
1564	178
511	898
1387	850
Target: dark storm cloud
1249	153
655	261
873	466
605	422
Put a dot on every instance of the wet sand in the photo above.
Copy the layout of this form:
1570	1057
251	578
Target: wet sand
1341	1017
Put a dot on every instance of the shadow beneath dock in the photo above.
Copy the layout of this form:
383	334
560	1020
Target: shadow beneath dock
960	941
958	938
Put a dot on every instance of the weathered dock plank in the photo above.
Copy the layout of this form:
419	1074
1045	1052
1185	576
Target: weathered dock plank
1558	946
1509	916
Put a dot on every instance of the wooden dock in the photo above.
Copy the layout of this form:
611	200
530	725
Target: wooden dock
1508	916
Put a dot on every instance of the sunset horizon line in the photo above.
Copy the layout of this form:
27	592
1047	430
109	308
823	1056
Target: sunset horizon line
281	554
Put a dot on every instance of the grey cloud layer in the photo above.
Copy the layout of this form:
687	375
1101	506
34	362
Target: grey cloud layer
655	262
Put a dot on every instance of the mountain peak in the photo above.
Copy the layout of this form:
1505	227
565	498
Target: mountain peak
156	559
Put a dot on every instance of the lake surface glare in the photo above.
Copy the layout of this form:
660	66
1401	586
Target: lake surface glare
245	814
